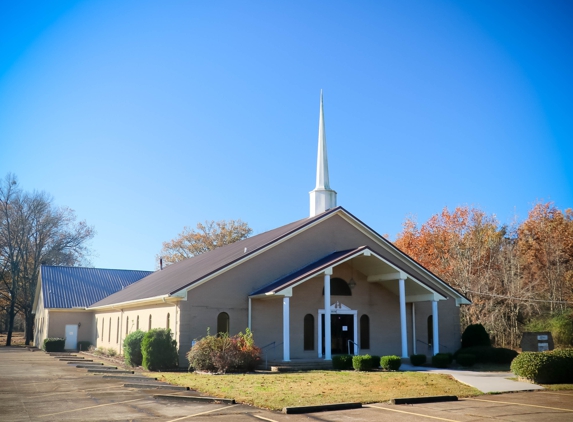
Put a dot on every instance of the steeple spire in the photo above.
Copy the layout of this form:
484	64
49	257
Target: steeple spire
322	197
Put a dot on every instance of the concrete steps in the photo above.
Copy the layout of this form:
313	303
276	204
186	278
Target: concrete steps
300	365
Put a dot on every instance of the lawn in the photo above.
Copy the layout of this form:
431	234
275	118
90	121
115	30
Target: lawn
275	391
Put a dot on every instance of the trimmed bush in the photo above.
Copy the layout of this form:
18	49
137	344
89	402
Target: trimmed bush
342	362
475	335
224	354
54	344
466	360
362	362
159	350
417	360
84	346
503	355
441	360
375	361
391	363
545	367
132	348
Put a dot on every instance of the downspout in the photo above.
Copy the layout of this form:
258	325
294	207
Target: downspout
250	316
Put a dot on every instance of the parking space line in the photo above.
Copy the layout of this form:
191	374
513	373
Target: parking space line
521	404
201	413
90	407
263	418
119	387
411	413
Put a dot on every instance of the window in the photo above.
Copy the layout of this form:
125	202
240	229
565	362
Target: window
97	330
109	331
223	323
102	327
126	326
338	287
364	332
430	330
117	335
168	321
149	328
137	323
308	332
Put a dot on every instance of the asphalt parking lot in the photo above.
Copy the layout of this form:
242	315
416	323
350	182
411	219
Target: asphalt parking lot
37	387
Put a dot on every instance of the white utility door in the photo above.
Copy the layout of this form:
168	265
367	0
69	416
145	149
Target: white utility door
71	337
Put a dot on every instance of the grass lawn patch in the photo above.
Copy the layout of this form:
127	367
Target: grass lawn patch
275	391
557	387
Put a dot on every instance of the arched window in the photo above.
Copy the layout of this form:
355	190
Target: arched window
364	332
168	321
127	325
97	330
102	327
109	331
223	323
338	287
308	332
149	329
137	323
117	335
430	330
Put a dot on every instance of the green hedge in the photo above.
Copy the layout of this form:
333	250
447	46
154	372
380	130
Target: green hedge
54	344
391	363
545	367
442	360
342	362
132	348
475	335
362	362
159	350
417	360
375	361
466	360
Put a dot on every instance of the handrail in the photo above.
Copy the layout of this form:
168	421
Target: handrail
274	345
429	345
348	343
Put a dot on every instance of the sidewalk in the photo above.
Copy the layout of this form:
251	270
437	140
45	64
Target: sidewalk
486	382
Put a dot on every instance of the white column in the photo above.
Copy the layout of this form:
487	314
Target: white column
250	315
327	332
414	341
403	318
436	339
286	329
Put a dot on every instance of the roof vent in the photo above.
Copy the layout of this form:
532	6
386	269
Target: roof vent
245	251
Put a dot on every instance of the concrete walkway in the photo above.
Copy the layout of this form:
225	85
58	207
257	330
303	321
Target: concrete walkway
486	382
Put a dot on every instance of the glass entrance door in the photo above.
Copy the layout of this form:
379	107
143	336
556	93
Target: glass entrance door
342	330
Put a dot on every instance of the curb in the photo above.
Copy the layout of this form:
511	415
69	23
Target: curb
420	400
149	386
320	408
128	378
194	398
108	371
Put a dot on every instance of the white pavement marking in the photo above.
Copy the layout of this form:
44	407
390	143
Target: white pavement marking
522	404
90	407
411	413
201	413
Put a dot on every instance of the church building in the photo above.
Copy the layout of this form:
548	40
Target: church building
323	285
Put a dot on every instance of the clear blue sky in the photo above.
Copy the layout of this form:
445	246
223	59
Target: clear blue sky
147	116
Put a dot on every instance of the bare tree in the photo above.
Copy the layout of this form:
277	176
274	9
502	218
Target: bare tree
208	236
34	232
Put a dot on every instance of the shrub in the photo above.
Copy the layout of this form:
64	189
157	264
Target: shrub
441	360
375	361
84	346
54	344
159	350
417	360
132	348
362	362
475	335
545	367
224	354
111	352
342	362
391	363
502	355
466	359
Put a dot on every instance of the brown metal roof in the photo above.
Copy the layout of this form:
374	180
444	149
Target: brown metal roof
182	274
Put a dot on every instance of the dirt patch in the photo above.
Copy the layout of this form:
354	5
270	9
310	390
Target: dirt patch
18	339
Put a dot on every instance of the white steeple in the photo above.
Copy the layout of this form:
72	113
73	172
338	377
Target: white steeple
322	198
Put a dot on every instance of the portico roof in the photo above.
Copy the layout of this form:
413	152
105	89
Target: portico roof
368	262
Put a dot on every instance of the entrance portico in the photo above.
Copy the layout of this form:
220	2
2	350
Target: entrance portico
341	334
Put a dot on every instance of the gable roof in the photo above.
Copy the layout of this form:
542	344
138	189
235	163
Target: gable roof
79	287
178	277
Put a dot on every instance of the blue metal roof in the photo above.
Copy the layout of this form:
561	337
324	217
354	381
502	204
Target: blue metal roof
73	287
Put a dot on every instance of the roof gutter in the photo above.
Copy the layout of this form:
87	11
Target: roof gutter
132	303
